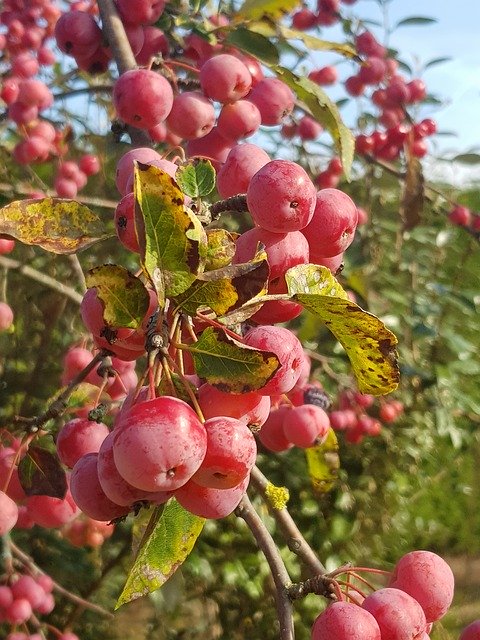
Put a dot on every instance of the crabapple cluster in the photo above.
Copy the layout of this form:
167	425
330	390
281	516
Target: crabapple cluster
326	14
419	593
392	95
464	217
350	415
85	532
29	28
23	597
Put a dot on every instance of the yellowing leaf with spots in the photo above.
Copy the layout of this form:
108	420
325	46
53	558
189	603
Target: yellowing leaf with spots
59	226
124	296
323	463
368	343
230	365
167	542
241	283
172	240
220	249
258	9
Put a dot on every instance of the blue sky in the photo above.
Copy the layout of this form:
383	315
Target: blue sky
456	82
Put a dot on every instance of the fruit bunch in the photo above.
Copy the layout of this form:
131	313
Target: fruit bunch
351	416
419	593
22	598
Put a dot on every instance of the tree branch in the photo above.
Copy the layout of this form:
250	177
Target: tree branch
292	534
114	31
32	273
280	575
30	564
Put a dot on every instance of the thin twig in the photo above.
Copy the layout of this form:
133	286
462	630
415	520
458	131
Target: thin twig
58	406
292	534
30	564
17	189
280	575
78	271
32	273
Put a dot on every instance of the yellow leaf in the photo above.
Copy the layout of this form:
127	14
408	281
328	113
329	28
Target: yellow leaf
59	226
323	463
257	9
368	343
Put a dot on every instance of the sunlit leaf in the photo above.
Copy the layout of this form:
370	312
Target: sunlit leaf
220	249
229	365
167	542
41	474
242	283
317	44
253	43
257	9
172	241
124	296
59	226
197	178
369	345
324	111
323	464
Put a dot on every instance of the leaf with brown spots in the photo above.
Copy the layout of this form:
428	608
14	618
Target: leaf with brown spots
172	240
370	346
170	537
41	474
227	289
220	249
230	365
124	297
56	225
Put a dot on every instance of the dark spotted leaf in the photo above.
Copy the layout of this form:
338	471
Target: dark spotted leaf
41	474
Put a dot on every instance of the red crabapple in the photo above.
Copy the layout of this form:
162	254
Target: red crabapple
345	621
230	456
333	224
142	98
281	197
225	78
160	445
210	503
427	578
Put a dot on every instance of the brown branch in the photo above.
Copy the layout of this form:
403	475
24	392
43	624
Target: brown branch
280	575
30	564
32	273
58	406
236	203
99	88
6	187
114	31
292	534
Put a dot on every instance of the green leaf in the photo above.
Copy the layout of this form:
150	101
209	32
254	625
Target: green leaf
258	9
317	44
172	240
230	365
467	158
415	20
369	345
56	225
435	61
323	463
197	178
124	297
254	44
169	539
41	474
319	105
220	249
240	284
